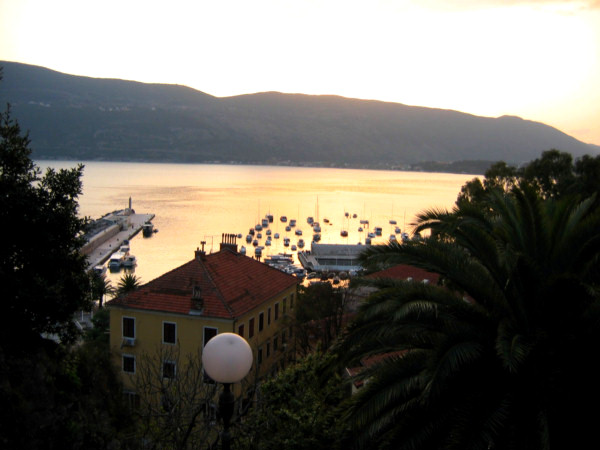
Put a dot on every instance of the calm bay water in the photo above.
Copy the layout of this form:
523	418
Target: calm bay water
194	203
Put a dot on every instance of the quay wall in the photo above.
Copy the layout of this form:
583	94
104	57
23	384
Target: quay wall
100	239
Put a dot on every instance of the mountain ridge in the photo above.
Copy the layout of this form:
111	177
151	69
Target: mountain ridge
85	118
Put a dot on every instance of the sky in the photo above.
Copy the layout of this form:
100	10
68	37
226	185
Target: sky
536	59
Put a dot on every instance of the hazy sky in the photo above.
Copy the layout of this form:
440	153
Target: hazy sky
538	59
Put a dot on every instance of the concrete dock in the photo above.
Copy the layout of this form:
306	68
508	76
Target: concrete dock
125	225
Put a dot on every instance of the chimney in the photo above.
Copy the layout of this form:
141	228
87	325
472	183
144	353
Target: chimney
200	254
228	241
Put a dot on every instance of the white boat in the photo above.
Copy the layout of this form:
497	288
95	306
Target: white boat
116	260
129	262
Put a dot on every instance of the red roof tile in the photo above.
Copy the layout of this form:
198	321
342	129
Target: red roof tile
404	271
229	284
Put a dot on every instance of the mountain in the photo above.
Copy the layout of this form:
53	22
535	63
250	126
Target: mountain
82	118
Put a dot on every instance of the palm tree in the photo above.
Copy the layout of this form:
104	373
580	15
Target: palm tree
503	354
101	287
128	283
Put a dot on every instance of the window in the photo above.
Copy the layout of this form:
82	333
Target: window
261	321
209	333
131	399
269	316
276	311
169	369
169	333
268	349
291	301
275	344
251	328
284	304
128	363
241	330
259	356
129	327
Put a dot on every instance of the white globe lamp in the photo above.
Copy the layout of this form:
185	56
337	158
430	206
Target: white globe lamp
227	358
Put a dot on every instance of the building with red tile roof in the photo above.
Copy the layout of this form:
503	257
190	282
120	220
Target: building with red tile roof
406	272
211	294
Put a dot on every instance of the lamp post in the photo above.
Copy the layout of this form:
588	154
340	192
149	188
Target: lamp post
227	358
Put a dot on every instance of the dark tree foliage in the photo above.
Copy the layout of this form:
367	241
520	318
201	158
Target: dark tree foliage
319	316
299	409
503	355
53	395
42	273
553	175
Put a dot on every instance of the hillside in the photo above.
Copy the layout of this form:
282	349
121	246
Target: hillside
82	118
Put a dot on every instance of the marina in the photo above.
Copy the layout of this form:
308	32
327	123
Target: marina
195	202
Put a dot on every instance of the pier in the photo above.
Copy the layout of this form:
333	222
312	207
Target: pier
110	232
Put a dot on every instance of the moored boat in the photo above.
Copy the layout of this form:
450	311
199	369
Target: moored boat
147	229
129	262
116	261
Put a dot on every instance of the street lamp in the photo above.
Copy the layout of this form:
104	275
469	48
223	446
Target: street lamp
227	358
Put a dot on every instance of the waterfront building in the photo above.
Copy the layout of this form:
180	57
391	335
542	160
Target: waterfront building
331	257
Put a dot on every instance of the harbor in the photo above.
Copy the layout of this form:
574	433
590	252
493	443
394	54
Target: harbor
108	234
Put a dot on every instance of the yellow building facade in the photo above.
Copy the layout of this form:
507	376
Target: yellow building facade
175	315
